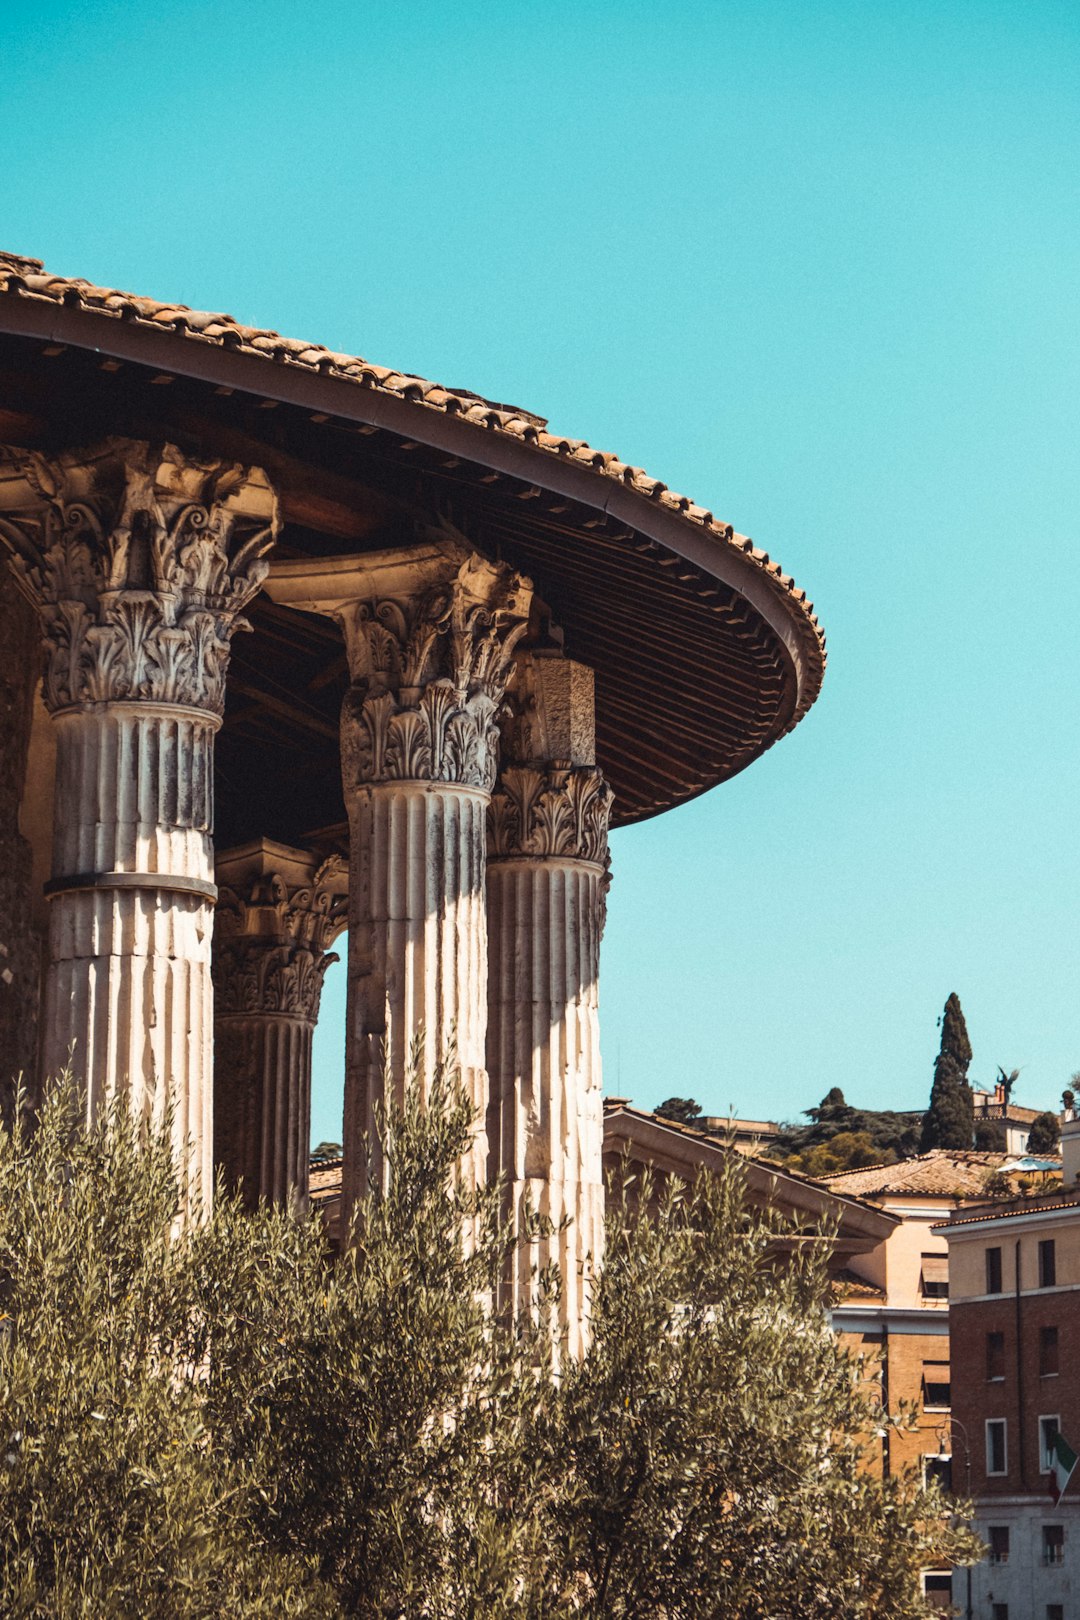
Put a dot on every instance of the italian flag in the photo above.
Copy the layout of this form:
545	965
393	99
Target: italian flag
1063	1460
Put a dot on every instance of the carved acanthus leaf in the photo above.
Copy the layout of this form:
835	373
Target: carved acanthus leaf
558	811
252	977
430	675
266	910
139	562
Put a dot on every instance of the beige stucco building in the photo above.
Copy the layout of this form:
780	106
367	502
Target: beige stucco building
896	1305
471	645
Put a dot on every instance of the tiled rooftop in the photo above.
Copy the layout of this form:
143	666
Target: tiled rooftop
944	1172
27	278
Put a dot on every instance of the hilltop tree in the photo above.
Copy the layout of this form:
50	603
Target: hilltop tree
847	1150
949	1122
890	1135
1044	1138
680	1110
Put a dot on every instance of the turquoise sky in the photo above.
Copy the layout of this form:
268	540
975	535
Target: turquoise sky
816	266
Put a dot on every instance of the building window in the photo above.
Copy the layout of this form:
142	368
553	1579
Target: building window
1055	1611
993	1271
997	1460
935	1276
1048	1433
999	1611
1053	1543
999	1544
1048	1352
935	1384
937	1589
940	1469
995	1356
1047	1264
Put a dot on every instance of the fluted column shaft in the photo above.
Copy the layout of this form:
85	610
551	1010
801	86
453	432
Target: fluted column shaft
138	561
128	995
279	911
417	945
545	1119
262	1124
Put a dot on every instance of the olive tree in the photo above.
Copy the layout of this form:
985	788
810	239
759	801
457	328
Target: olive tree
225	1417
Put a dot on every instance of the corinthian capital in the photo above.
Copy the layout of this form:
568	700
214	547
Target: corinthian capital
139	561
551	798
430	633
563	810
429	678
279	911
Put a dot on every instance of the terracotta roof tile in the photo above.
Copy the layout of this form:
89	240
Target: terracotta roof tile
942	1172
27	278
1061	1198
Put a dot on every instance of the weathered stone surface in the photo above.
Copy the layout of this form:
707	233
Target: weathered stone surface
20	945
138	563
545	1117
547	876
279	911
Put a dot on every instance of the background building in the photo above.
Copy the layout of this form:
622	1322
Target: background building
1015	1121
1014	1313
897	1304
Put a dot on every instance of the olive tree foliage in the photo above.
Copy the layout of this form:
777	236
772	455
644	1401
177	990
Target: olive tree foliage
113	1499
224	1418
711	1439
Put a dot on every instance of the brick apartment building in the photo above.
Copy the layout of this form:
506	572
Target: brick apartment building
1014	1320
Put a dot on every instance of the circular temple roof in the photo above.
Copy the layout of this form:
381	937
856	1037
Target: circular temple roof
705	652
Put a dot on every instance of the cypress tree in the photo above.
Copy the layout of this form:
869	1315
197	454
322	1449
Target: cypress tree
949	1121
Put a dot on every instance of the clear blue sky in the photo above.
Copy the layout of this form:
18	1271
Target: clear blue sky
815	265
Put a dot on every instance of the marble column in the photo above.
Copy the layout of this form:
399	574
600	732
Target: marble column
279	911
139	562
430	631
547	878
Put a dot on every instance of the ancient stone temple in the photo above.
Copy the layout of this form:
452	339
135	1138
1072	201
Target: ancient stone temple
293	649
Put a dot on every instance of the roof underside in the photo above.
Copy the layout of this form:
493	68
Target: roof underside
704	651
